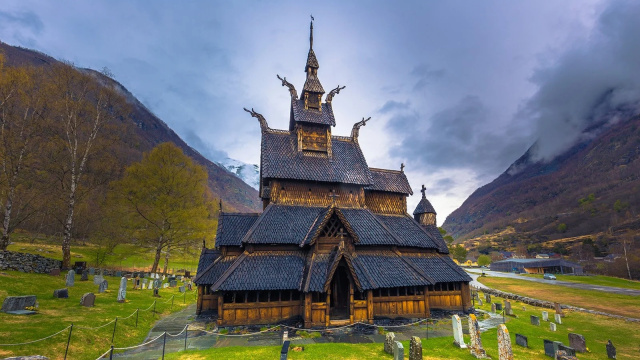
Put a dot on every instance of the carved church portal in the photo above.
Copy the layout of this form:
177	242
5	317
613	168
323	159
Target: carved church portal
340	294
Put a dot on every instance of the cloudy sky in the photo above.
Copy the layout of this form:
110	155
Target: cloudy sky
457	90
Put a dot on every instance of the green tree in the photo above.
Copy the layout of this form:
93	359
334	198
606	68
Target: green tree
459	253
163	201
562	227
484	260
443	232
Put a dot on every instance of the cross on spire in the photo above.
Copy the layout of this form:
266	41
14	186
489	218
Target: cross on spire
423	191
333	196
402	167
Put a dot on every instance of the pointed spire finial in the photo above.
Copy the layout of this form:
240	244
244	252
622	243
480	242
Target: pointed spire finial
424	192
311	34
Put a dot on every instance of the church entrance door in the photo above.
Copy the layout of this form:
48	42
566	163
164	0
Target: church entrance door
340	286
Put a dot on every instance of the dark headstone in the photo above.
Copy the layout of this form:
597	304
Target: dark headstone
61	293
535	320
549	348
173	283
189	286
88	300
498	307
611	350
84	276
118	273
104	285
522	340
284	351
187	274
577	342
558	308
181	289
17	303
156	292
487	298
92	271
568	350
54	272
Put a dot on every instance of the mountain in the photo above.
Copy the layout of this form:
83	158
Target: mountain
249	173
591	188
150	131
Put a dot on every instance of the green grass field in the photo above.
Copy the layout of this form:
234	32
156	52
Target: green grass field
595	280
625	305
125	256
56	314
596	329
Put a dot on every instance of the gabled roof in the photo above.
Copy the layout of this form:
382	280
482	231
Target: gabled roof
232	227
281	159
389	180
207	257
214	271
385	269
313	116
285	224
410	232
263	270
312	84
439	267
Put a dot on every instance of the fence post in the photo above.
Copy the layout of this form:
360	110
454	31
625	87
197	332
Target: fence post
172	297
137	311
427	329
186	332
111	353
164	342
68	341
114	330
185	297
154	308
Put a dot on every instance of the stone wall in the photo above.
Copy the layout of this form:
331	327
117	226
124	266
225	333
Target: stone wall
10	260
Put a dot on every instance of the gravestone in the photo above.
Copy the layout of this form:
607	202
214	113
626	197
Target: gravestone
569	351
535	320
415	348
398	351
173	283
54	272
577	342
122	292
552	326
181	289
189	286
564	355
165	285
458	340
136	282
71	277
558	318
522	340
549	348
545	316
118	273
92	271
558	309
507	308
61	293
389	340
104	285
187	274
498	307
475	343
164	277
144	283
479	302
493	307
156	292
524	308
98	279
88	300
18	303
611	350
84	276
284	350
487	298
157	283
505	352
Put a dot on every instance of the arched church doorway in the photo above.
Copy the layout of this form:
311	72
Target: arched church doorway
340	288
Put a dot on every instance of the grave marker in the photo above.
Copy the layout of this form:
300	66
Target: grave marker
558	318
545	316
507	308
92	271
88	300
505	352
487	298
104	285
415	348
61	293
522	340
569	351
122	292
458	340
71	277
535	320
98	279
493	307
498	307
475	345
84	276
18	303
577	342
559	309
398	351
389	340
54	272
552	326
611	350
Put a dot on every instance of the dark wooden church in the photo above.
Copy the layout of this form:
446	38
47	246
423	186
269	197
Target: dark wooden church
334	243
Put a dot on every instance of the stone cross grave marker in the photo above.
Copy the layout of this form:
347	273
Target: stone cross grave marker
458	340
611	350
122	291
552	326
415	348
398	351
577	342
88	300
71	277
61	293
475	342
505	352
545	316
535	320
558	318
522	340
389	340
104	285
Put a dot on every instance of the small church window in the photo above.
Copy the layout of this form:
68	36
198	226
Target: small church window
359	295
228	297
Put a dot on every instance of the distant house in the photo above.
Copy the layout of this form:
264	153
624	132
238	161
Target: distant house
507	254
542	256
471	261
538	266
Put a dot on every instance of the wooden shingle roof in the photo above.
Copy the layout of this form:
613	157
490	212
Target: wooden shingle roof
232	227
285	224
312	116
439	267
389	180
424	206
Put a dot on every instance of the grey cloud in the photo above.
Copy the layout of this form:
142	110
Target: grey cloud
426	76
590	82
26	19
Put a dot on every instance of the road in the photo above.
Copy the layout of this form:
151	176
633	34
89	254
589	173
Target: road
474	273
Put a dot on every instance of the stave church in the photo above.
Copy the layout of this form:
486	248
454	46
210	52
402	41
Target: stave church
334	243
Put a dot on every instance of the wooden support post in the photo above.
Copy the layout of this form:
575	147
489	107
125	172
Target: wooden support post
199	301
307	310
220	311
427	306
466	296
370	306
351	303
327	314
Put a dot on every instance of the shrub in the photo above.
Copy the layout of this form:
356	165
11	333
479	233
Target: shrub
562	227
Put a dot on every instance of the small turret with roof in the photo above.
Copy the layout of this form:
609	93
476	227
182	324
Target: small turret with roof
424	213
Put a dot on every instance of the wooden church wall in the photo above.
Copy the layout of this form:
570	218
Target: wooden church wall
450	296
206	300
314	194
257	312
401	302
386	203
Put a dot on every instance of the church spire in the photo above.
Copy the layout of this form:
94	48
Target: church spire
312	91
424	213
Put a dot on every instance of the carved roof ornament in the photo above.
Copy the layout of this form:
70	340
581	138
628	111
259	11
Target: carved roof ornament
263	122
333	93
292	89
355	132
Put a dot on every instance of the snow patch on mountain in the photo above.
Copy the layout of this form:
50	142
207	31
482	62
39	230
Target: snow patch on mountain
249	173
